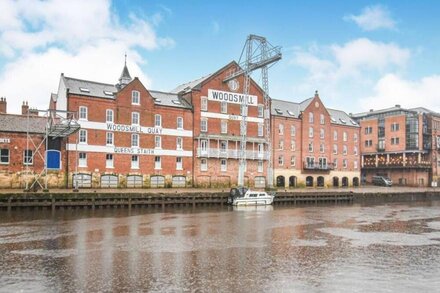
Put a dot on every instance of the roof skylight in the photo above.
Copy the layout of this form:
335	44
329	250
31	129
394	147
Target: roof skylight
333	119
278	111
177	102
343	121
290	113
84	90
108	93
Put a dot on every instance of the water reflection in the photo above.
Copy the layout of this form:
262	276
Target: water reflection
323	248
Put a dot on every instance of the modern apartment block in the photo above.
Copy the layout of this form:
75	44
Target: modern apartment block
402	144
314	145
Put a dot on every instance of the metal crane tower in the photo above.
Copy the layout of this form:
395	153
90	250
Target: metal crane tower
257	53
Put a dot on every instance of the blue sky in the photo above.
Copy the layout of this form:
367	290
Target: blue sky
358	54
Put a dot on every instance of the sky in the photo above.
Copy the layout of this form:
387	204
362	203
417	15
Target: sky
359	55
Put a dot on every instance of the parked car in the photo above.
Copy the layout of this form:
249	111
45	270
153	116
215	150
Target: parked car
382	181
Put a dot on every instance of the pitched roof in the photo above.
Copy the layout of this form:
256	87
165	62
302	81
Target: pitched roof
186	87
89	88
19	123
169	99
293	110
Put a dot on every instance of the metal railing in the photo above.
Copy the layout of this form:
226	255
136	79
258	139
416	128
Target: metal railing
230	154
318	166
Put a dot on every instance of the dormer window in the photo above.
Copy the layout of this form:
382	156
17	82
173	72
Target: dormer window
135	98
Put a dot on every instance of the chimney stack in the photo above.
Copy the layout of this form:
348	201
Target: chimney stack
24	108
3	105
33	112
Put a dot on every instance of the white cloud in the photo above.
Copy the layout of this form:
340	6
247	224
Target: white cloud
81	38
373	18
391	89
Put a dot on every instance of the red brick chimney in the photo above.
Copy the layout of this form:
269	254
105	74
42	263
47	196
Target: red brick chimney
24	108
3	105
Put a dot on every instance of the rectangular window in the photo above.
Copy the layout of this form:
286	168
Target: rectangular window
281	144
83	136
179	163
292	145
83	113
335	135
335	149
109	138
355	137
179	123
204	125
321	147
157	163
157	142
224	127
395	127
135	100
260	129
260	149
135	118
203	164
280	129
179	143
335	163
310	132
280	160
321	119
344	149
244	110
82	160
223	107
260	111
355	164
109	116
344	163
204	104
310	146
321	133
368	130
135	140
292	161
310	117
157	120
4	156
223	146
135	162
223	165
292	130
260	167
109	160
28	158
355	150
344	136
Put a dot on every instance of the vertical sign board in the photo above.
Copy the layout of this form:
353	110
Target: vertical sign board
53	159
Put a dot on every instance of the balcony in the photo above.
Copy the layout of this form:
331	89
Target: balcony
380	147
318	166
231	154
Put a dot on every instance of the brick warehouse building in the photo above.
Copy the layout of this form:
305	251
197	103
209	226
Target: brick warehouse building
217	117
129	137
402	144
314	145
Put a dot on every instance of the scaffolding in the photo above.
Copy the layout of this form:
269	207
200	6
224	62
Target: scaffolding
257	53
58	124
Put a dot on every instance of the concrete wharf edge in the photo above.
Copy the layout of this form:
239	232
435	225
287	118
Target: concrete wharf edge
142	198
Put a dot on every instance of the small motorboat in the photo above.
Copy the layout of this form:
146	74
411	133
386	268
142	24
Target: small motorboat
242	196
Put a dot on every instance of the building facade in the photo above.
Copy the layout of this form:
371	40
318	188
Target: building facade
314	145
401	144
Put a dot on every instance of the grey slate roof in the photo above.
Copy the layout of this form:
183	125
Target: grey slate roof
293	110
169	99
96	89
393	109
19	123
186	87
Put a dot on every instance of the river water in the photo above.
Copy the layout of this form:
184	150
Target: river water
343	248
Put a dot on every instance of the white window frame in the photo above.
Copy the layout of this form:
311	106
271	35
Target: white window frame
133	115
109	163
223	107
281	144
311	118
157	163
134	145
355	137
2	156
109	136
344	136
179	123
344	149
322	133
322	119
292	130
335	163
179	163
335	149
260	111
179	143
355	164
345	163
260	167
335	135
355	150
28	157
157	142
204	104
83	111
292	145
157	120
321	148
204	125
293	161
223	167
310	147
81	136
203	164
224	126
82	162
260	129
109	113
311	131
281	129
135	95
135	163
281	160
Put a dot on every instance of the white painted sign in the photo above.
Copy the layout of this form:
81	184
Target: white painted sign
229	97
133	128
133	151
127	150
5	140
